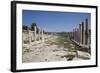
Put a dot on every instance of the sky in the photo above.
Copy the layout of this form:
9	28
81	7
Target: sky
51	21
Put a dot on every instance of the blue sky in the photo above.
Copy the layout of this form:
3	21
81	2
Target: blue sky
54	21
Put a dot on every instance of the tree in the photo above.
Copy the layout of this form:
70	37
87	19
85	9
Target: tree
33	25
25	27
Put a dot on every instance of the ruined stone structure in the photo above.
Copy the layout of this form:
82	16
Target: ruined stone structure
82	34
33	37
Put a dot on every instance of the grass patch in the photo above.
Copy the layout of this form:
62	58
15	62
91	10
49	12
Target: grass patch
65	42
68	57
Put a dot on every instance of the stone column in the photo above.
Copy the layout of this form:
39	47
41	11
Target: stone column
29	33
75	34
80	32
84	34
32	35
39	34
87	32
71	34
35	35
42	36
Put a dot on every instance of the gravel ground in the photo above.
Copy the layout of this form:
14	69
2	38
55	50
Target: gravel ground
46	52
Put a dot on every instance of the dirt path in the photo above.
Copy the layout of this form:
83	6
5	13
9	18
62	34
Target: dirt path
50	50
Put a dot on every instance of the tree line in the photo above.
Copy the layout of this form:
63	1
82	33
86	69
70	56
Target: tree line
25	27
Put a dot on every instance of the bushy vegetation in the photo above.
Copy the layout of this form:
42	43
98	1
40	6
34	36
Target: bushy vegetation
31	27
25	27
